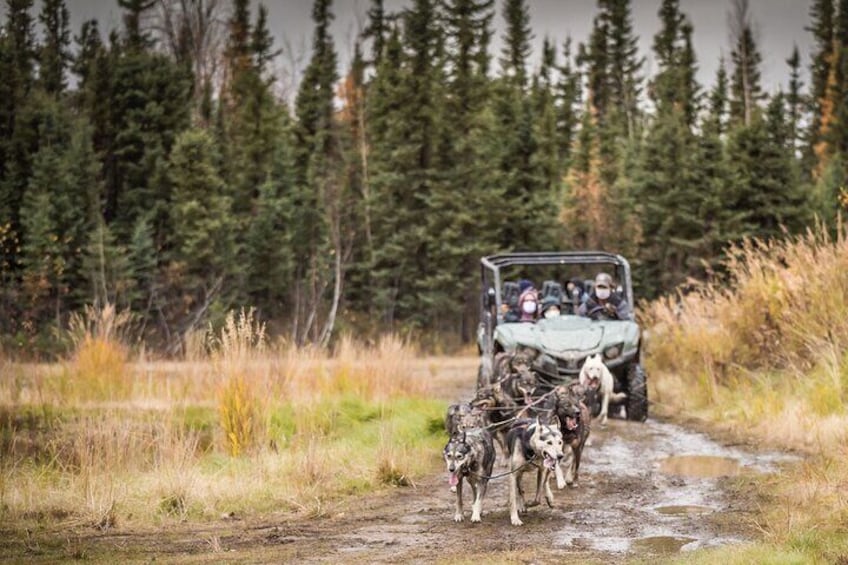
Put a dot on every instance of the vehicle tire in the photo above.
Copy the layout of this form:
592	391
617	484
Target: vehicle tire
637	394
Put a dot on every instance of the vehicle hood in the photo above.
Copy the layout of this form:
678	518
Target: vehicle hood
568	335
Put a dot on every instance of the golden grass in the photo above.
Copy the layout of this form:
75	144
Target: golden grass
98	365
245	428
766	357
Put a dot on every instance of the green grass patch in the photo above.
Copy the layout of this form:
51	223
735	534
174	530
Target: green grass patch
806	548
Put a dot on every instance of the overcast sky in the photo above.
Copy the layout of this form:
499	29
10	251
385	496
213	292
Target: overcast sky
779	25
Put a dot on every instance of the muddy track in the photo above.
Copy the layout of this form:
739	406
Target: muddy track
645	491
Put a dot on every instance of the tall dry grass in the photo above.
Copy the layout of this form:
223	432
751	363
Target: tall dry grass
766	356
778	329
98	366
238	346
244	426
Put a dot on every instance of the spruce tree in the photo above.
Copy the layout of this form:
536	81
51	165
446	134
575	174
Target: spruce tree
54	53
141	102
568	97
625	65
462	234
822	15
672	202
17	61
517	47
57	215
405	106
710	164
107	269
202	241
548	160
393	203
316	166
795	99
745	89
716	117
376	31
764	184
251	118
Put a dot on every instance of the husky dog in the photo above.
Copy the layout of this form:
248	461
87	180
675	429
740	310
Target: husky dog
533	442
513	372
471	455
463	416
520	385
574	419
595	375
499	408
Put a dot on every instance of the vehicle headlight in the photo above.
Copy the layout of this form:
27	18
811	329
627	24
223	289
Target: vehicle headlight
613	351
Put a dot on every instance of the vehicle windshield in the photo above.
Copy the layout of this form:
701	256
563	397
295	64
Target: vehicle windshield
562	287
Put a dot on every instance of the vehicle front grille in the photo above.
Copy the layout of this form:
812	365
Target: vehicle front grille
569	366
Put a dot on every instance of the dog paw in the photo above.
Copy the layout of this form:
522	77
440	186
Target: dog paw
550	502
532	503
573	484
476	518
453	489
457	518
516	521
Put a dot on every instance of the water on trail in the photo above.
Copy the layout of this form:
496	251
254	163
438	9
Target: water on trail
669	478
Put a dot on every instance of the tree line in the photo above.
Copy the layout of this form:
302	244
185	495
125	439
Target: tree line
157	169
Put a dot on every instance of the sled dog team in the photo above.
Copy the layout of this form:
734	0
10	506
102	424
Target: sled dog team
546	432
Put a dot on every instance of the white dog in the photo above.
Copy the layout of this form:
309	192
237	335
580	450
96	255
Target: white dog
595	375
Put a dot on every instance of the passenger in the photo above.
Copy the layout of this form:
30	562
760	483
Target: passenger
603	303
575	295
550	307
528	301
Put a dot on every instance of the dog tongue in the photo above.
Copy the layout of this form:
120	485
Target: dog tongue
550	463
454	479
571	423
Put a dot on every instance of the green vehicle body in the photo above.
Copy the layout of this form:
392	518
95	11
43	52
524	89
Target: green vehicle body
563	343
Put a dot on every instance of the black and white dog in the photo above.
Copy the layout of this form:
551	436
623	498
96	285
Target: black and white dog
470	454
565	405
528	442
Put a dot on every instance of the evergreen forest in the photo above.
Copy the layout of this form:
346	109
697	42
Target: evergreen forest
157	168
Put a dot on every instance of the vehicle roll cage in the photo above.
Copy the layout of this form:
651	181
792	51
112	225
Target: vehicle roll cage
491	272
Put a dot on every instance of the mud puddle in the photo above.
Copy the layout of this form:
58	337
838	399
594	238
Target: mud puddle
657	488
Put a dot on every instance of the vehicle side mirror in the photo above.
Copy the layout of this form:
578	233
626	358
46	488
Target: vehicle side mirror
489	299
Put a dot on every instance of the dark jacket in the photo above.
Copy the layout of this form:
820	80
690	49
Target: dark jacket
618	308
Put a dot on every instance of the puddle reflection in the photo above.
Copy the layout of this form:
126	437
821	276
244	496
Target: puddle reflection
661	544
700	466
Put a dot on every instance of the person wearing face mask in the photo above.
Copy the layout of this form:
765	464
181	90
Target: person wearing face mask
550	307
528	302
603	303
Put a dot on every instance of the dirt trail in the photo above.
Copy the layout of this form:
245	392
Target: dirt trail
652	489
